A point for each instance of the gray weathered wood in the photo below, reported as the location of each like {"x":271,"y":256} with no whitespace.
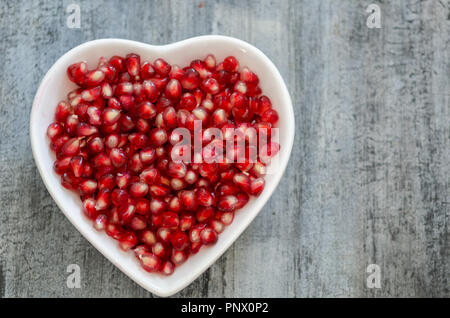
{"x":368,"y":179}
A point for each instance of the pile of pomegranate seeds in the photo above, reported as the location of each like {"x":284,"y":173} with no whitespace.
{"x":117,"y":135}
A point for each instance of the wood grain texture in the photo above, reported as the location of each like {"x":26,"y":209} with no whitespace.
{"x":368,"y":179}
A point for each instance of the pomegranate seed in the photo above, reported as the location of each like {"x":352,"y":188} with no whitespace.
{"x":227,"y":217}
{"x":257,"y":186}
{"x":208,"y":236}
{"x":103,"y":199}
{"x":194,"y":233}
{"x":230,"y":64}
{"x":188,"y":200}
{"x":201,"y":69}
{"x":71,"y":147}
{"x":173,"y":89}
{"x":133,"y":63}
{"x":167,"y":268}
{"x":227,"y":203}
{"x":242,"y":199}
{"x":187,"y":221}
{"x":87,"y":187}
{"x":242,"y":180}
{"x":138,"y":223}
{"x":148,"y":237}
{"x":179,"y":257}
{"x":71,"y":124}
{"x":163,"y":234}
{"x":204,"y":214}
{"x":89,"y":208}
{"x":146,"y":110}
{"x":175,"y":204}
{"x":204,"y":197}
{"x":210,"y":62}
{"x":211,"y":86}
{"x":161,"y":67}
{"x":270,"y":116}
{"x":114,"y":231}
{"x":147,"y":70}
{"x":94,"y":78}
{"x":150,"y":90}
{"x":77,"y":165}
{"x":150,"y":262}
{"x":158,"y":137}
{"x":157,"y":206}
{"x":110,"y":116}
{"x":179,"y":240}
{"x":138,"y":189}
{"x":158,"y":190}
{"x":100,"y":222}
{"x":159,"y":250}
{"x":54,"y":130}
{"x":217,"y":226}
{"x":62,"y":165}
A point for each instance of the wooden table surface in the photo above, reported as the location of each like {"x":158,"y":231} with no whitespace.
{"x":367,"y":182}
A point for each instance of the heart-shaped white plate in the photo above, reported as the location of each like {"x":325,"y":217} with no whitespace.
{"x":55,"y":86}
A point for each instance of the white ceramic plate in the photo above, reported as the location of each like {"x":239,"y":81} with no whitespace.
{"x":55,"y":86}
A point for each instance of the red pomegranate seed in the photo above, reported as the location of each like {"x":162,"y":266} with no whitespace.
{"x":201,"y":69}
{"x":100,"y":222}
{"x":158,"y":137}
{"x":77,"y":72}
{"x":157,"y":206}
{"x":110,"y":116}
{"x":242,"y":181}
{"x":217,"y":226}
{"x":227,"y":217}
{"x":227,"y":203}
{"x":204,"y":197}
{"x":179,"y":240}
{"x":161,"y":67}
{"x":190,"y":80}
{"x":150,"y":262}
{"x":210,"y":62}
{"x":148,"y":237}
{"x":187,"y":221}
{"x":147,"y":70}
{"x":188,"y":200}
{"x":163,"y":234}
{"x":138,"y":189}
{"x":89,"y":208}
{"x":133,"y":63}
{"x":103,"y":199}
{"x":71,"y":147}
{"x":211,"y":86}
{"x":94,"y":78}
{"x":174,"y":204}
{"x":77,"y":165}
{"x":87,"y":187}
{"x":208,"y":236}
{"x":242,"y":198}
{"x":257,"y":186}
{"x":167,"y":268}
{"x":194,"y":233}
{"x":204,"y":214}
{"x":230,"y":64}
{"x":270,"y":116}
{"x":146,"y":110}
{"x":54,"y":130}
{"x":173,"y":90}
{"x":138,"y":223}
{"x":179,"y":257}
